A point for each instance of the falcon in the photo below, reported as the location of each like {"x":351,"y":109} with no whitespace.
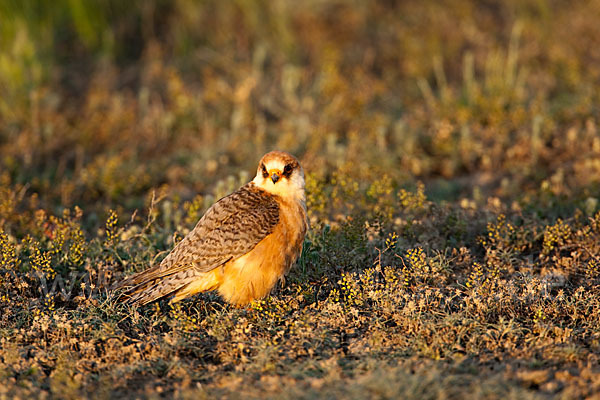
{"x":241,"y":247}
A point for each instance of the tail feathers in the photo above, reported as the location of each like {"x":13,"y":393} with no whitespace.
{"x":143,"y":288}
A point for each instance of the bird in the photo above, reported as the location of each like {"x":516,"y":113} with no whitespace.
{"x":241,"y":247}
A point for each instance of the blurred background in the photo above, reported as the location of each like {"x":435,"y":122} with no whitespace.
{"x":103,"y":102}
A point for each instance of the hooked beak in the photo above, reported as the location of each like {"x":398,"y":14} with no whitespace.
{"x":275,"y":175}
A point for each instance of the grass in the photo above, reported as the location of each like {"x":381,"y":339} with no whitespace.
{"x":452,"y":189}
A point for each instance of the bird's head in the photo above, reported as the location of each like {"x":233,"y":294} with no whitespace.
{"x":280,"y":173}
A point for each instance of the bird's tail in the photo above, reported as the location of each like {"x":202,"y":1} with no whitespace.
{"x":146,"y":287}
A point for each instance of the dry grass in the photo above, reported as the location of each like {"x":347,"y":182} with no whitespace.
{"x":453,"y":191}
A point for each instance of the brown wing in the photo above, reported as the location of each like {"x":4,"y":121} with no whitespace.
{"x":228,"y":230}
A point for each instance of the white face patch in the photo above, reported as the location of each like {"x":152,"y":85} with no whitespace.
{"x":275,"y":164}
{"x":290,"y":186}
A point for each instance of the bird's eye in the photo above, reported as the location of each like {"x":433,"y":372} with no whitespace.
{"x":264,"y":171}
{"x":288,"y":169}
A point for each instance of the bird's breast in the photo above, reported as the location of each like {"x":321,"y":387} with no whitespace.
{"x":253,"y":275}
